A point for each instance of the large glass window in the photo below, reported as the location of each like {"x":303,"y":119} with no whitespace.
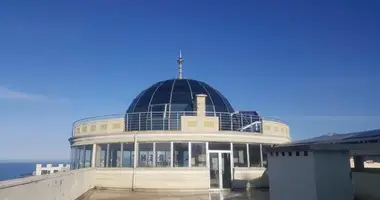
{"x":198,"y":154}
{"x":101,"y":155}
{"x":81,"y":157}
{"x":254,"y":155}
{"x":88,"y":156}
{"x":240,"y":155}
{"x":128,"y":154}
{"x":145,"y":155}
{"x":114,"y":155}
{"x":73,"y":159}
{"x":163,"y":154}
{"x":180,"y":154}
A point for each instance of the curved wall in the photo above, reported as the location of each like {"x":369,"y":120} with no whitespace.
{"x":116,"y":125}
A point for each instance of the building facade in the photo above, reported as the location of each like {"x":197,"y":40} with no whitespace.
{"x":177,"y":134}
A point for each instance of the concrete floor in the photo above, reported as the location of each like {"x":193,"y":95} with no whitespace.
{"x":128,"y":195}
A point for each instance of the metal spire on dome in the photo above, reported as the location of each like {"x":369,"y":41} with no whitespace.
{"x":180,"y":61}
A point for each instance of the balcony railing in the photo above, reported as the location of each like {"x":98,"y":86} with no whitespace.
{"x":171,"y":121}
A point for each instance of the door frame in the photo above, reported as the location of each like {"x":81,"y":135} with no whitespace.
{"x":219,"y":152}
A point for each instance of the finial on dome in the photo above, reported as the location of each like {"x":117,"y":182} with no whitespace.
{"x":180,"y":61}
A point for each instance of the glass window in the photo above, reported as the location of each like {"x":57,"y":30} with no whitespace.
{"x":128,"y":154}
{"x":145,"y":155}
{"x":198,"y":154}
{"x":254,"y":155}
{"x":114,"y":155}
{"x":73,"y":157}
{"x":101,"y":155}
{"x":88,"y":156}
{"x":162,"y":154}
{"x":181,"y":154}
{"x":81,"y":157}
{"x":264,"y":149}
{"x":219,"y":146}
{"x":77,"y":156}
{"x":240,"y":155}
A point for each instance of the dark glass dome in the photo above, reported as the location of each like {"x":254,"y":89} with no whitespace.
{"x":178,"y":95}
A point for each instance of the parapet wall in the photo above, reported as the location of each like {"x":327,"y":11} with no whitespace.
{"x":59,"y":186}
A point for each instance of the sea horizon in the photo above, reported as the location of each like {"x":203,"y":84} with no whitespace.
{"x":12,"y":169}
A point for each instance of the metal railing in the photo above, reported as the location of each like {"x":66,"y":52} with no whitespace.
{"x":150,"y":121}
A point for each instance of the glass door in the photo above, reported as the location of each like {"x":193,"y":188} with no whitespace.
{"x":220,"y":170}
{"x":214,"y":171}
{"x":225,"y":170}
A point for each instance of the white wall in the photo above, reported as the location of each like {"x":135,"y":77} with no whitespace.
{"x":332,"y":174}
{"x":59,"y":186}
{"x":291,"y":177}
{"x":250,"y":177}
{"x":154,"y":178}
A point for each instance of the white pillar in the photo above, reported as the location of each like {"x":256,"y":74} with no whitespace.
{"x":261,"y":156}
{"x":49,"y":167}
{"x":171,"y":154}
{"x":248,"y":161}
{"x":93,"y":157}
{"x":201,"y":104}
{"x":38,"y":169}
{"x":189,"y":160}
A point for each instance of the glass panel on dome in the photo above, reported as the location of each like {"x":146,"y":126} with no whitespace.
{"x":181,"y":93}
{"x":162,"y":94}
{"x":198,"y":88}
{"x":143,"y":103}
{"x":217,"y":99}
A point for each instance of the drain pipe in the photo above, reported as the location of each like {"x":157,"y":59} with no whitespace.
{"x":134,"y":161}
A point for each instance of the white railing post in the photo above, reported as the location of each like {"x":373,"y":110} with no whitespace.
{"x":139,"y":120}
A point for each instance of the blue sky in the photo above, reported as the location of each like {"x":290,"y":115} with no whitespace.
{"x":314,"y":64}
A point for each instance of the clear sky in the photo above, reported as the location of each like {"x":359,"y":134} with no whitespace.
{"x":314,"y":65}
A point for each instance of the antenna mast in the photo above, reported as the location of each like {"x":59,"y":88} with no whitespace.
{"x":180,"y":61}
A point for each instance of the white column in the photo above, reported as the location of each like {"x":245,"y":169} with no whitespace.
{"x":38,"y":169}
{"x":201,"y":104}
{"x":49,"y":167}
{"x":171,"y":154}
{"x":154,"y":154}
{"x":261,"y":156}
{"x":136,"y":155}
{"x":107,"y":154}
{"x":189,"y":161}
{"x":121,"y":155}
{"x":207,"y":157}
{"x":248,"y":161}
{"x":232,"y":161}
{"x":93,"y":156}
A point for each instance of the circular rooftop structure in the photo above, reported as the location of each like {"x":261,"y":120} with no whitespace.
{"x":176,"y":95}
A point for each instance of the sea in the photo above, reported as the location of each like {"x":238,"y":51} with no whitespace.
{"x":19,"y":169}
